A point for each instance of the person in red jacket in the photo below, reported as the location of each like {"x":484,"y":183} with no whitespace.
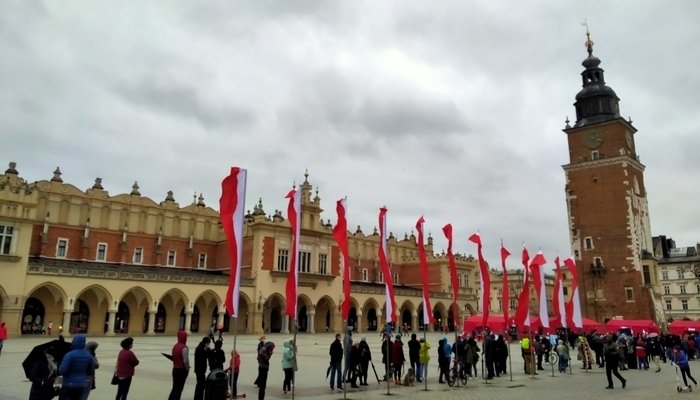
{"x":3,"y":334}
{"x":126,"y":364}
{"x":234,"y":368}
{"x":181,"y":365}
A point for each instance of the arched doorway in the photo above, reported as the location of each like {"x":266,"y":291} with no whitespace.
{"x":439,"y":323}
{"x":406,"y":318}
{"x":194,"y":321}
{"x":79,"y":318}
{"x":302,"y":321}
{"x":324,"y":315}
{"x":33,"y":316}
{"x":121,"y":322}
{"x":372,"y":319}
{"x":160,"y":319}
{"x":421,"y":321}
{"x":352,"y":318}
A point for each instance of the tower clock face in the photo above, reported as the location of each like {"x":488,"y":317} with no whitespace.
{"x":593,"y":139}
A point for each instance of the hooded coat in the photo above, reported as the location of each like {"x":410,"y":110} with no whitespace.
{"x":287,"y":355}
{"x":217,"y":358}
{"x":77,"y":364}
{"x":180,"y":352}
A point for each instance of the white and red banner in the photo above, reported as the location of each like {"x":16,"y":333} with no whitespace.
{"x":231,"y":205}
{"x":294,"y":217}
{"x":573,"y":308}
{"x":340,"y":233}
{"x":447,"y":230}
{"x":505,"y":302}
{"x":558,"y":298}
{"x":537,"y":269}
{"x":386,"y":270}
{"x":484,"y":280}
{"x":522,"y":314}
{"x":427,"y":310}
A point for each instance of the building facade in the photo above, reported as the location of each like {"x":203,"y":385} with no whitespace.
{"x":679,"y":277}
{"x":607,"y":206}
{"x":86,"y":261}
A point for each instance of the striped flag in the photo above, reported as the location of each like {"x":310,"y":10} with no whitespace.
{"x":536,"y":266}
{"x":558,"y":298}
{"x":522,"y":314}
{"x":386,"y":271}
{"x":484,"y":280}
{"x":447,"y":230}
{"x":427,"y":314}
{"x":573,"y":308}
{"x":293,"y":215}
{"x":506,"y":291}
{"x":231,"y":205}
{"x":340,"y":233}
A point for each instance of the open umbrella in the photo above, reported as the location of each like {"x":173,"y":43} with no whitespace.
{"x":57,"y":348}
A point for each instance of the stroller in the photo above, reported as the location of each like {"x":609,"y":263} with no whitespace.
{"x":679,"y":387}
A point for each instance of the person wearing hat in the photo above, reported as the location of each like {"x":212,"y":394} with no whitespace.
{"x":398,"y":358}
{"x":261,"y":343}
{"x":264,"y":356}
{"x":336,"y":353}
{"x":365,"y":359}
{"x":414,"y":356}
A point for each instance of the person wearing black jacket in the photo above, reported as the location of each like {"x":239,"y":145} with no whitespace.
{"x":217,"y":357}
{"x":414,"y":356}
{"x":387,"y":354}
{"x":264,"y":356}
{"x":612,"y":357}
{"x":365,"y":359}
{"x":443,"y":362}
{"x":336,"y":353}
{"x":201,"y":356}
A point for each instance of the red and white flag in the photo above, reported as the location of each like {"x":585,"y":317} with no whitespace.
{"x":484,"y":280}
{"x":386,"y":271}
{"x":340,"y":233}
{"x":573,"y":308}
{"x":294,"y":217}
{"x":558,"y":298}
{"x":231,"y":205}
{"x":447,"y":230}
{"x":427,"y":314}
{"x":522,"y":314}
{"x":505,"y":302}
{"x":537,"y":269}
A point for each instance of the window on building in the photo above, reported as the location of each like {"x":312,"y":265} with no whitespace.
{"x":682,"y":289}
{"x":365,"y":274}
{"x":513,"y":304}
{"x":669,"y":306}
{"x":629,"y":293}
{"x":396,"y":278}
{"x":646,"y":275}
{"x":588,"y":243}
{"x":323,"y":264}
{"x":283,"y":260}
{"x":667,"y":289}
{"x":684,"y":304}
{"x":577,"y":255}
{"x":664,"y":275}
{"x":595,"y":155}
{"x":101,"y":254}
{"x":61,"y":248}
{"x":305,"y":261}
{"x":500,"y":304}
{"x":138,"y":255}
{"x":171,"y":258}
{"x":380,"y":277}
{"x":598,"y":263}
{"x":6,"y":233}
{"x":202,"y":261}
{"x":565,"y":291}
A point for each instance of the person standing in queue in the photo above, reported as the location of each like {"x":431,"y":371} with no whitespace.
{"x":264,"y":356}
{"x":181,"y":365}
{"x":126,"y":364}
{"x":201,"y":356}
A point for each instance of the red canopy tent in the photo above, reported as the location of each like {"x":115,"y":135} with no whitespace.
{"x":636,"y":325}
{"x":681,"y":327}
{"x":495,"y":323}
{"x":588,"y":324}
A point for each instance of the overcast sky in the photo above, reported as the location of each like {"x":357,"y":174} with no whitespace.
{"x":450,"y":109}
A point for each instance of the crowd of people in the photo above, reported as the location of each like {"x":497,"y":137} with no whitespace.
{"x":350,"y":360}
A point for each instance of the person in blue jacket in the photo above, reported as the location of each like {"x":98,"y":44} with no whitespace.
{"x":75,"y":368}
{"x":681,"y":359}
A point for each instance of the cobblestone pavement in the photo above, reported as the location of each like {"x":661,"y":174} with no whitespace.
{"x":152,"y":380}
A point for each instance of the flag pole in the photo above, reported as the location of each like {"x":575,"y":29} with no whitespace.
{"x":387,"y":366}
{"x":425,"y":373}
{"x":294,"y":360}
{"x":510,"y":358}
{"x":448,"y":369}
{"x":344,"y":373}
{"x":235,"y":331}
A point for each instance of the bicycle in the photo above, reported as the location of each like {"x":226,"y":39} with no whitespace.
{"x":456,"y":371}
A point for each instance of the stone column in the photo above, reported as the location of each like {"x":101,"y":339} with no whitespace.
{"x":66,"y":321}
{"x":414,"y":322}
{"x":359,"y":322}
{"x":151,"y":323}
{"x":110,"y":324}
{"x":188,"y":321}
{"x":285,"y":324}
{"x":255,"y":319}
{"x":312,"y":321}
{"x":380,"y":321}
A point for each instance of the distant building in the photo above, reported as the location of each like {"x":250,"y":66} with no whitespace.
{"x":608,"y":208}
{"x":679,"y":277}
{"x":126,"y":264}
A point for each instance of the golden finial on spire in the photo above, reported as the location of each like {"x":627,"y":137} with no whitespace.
{"x":589,"y":42}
